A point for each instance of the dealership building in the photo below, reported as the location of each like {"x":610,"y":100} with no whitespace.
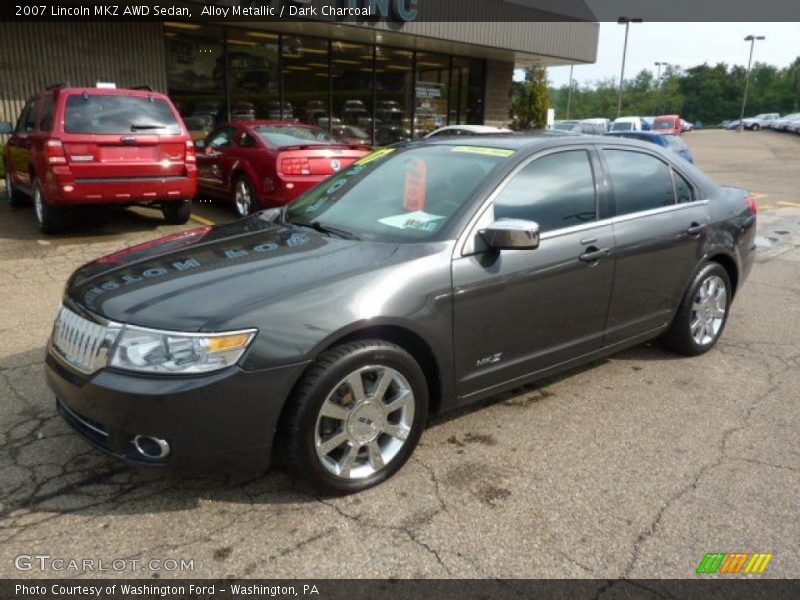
{"x":388,"y":77}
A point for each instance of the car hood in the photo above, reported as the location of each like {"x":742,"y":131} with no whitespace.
{"x":201,"y":278}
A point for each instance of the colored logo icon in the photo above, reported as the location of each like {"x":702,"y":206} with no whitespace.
{"x":734,"y":563}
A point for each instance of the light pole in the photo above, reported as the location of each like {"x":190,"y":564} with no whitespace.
{"x":752,"y":39}
{"x":569,"y":92}
{"x":658,"y":65}
{"x":627,"y":22}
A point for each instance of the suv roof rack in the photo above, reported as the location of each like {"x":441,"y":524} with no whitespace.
{"x":57,"y":86}
{"x":146,"y":88}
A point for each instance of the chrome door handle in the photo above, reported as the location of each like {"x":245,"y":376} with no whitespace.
{"x":695,"y":229}
{"x":593,"y":254}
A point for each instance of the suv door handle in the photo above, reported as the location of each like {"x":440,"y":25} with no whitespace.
{"x":592,"y":254}
{"x":695,"y":229}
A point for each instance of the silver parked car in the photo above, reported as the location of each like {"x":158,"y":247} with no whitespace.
{"x":759,"y":121}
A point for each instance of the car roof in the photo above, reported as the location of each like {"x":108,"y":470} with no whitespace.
{"x":96,"y":91}
{"x":534,"y":139}
{"x":250,"y":123}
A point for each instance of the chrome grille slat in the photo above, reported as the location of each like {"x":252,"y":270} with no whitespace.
{"x":80,"y":342}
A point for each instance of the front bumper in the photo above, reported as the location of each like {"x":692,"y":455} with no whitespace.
{"x":222,"y":421}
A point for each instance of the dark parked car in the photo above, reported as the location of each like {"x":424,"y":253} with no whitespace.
{"x":86,"y":147}
{"x":665,"y":140}
{"x":259,"y":164}
{"x":424,"y":278}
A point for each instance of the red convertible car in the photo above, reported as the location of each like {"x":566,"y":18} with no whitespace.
{"x":260,"y":164}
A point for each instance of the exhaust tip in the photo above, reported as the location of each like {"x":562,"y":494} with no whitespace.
{"x":150,"y":447}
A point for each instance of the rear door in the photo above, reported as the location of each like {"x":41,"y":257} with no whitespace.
{"x":120,"y":136}
{"x":517,"y":312}
{"x":658,"y":240}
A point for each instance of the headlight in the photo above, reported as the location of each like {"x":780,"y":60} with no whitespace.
{"x":152,"y":351}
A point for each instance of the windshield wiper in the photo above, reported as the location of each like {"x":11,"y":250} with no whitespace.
{"x":137,"y":126}
{"x":317,"y":226}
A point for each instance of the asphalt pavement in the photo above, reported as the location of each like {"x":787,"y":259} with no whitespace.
{"x":635,"y":466}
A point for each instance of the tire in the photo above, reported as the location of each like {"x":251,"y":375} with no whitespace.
{"x":15,"y":196}
{"x":244,"y":196}
{"x":177,"y":213}
{"x":50,"y":219}
{"x":755,"y":127}
{"x":701,"y":319}
{"x":366,"y":454}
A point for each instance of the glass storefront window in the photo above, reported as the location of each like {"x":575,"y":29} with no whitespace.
{"x":466,"y":91}
{"x":393,"y":88}
{"x":306,"y":80}
{"x":196,"y":74}
{"x":431,"y":91}
{"x":351,"y":67}
{"x":253,"y":76}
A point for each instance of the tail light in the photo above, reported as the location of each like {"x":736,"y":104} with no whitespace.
{"x":54,"y":152}
{"x":295,"y":166}
{"x":191,"y":152}
{"x":752,"y":204}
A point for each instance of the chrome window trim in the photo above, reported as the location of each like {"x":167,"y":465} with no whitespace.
{"x":657,"y":211}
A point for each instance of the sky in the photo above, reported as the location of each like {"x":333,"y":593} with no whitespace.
{"x":684,"y":44}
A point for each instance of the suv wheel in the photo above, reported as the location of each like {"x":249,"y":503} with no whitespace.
{"x":49,"y":218}
{"x":15,"y":196}
{"x":703,"y":312}
{"x":244,"y":196}
{"x":755,"y":127}
{"x":355,"y":418}
{"x":177,"y":213}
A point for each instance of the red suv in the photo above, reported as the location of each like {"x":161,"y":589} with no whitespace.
{"x":90,"y":146}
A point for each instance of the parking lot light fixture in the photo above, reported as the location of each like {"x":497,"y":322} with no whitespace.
{"x":569,"y":92}
{"x":660,"y":83}
{"x":752,"y":39}
{"x":627,"y":22}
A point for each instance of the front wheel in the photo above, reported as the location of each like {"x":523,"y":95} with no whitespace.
{"x":703,"y":312}
{"x":177,"y":213}
{"x":355,"y":418}
{"x":756,"y":127}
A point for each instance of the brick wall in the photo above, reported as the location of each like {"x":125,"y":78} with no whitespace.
{"x":499,"y":75}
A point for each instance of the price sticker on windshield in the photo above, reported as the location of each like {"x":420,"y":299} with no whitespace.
{"x":415,"y":183}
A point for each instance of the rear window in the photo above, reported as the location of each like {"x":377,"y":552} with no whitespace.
{"x":621,"y":126}
{"x":664,"y":124}
{"x":290,"y":135}
{"x":117,"y":114}
{"x":676,"y":144}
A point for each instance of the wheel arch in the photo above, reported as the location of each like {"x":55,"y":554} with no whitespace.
{"x":730,"y":266}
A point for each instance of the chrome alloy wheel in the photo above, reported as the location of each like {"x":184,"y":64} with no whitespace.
{"x":38,"y":203}
{"x":244,"y":200}
{"x":708,"y":310}
{"x":364,"y":422}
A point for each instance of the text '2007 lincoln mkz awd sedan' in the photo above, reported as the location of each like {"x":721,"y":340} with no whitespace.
{"x":422,"y":278}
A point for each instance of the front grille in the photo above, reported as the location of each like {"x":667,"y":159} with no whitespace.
{"x":82,"y":343}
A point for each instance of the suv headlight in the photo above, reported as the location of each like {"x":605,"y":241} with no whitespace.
{"x":153,"y":351}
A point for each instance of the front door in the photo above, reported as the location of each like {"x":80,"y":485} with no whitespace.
{"x":211,"y":161}
{"x":517,"y":312}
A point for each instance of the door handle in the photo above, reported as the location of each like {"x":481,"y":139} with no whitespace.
{"x":593,"y":254}
{"x":695,"y":229}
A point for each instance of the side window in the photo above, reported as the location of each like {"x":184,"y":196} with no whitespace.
{"x":23,"y":117}
{"x":222,"y":138}
{"x":556,"y":191}
{"x":683,"y":190}
{"x":30,"y":119}
{"x":48,"y":108}
{"x":640,"y":181}
{"x":247,"y":141}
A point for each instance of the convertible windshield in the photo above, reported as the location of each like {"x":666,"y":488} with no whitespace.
{"x":398,"y":194}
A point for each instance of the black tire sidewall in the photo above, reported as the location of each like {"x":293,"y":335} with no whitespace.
{"x":680,"y":337}
{"x":369,"y":353}
{"x":177,"y":212}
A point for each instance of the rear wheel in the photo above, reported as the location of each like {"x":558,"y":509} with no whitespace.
{"x":49,"y":218}
{"x":15,"y":196}
{"x":177,"y":213}
{"x":355,"y":418}
{"x":244,"y":196}
{"x":703,"y":312}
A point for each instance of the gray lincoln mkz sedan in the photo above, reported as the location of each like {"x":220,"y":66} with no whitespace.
{"x":423,"y":278}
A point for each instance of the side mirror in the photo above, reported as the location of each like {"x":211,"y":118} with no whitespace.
{"x":511,"y":234}
{"x":6,"y":128}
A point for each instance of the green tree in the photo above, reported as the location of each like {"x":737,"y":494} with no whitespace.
{"x":530,"y":100}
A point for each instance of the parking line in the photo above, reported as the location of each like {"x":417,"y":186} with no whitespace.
{"x":757,"y":196}
{"x":787,"y":203}
{"x":201,"y":220}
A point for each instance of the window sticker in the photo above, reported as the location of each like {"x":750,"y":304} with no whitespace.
{"x":415,"y":183}
{"x":419,"y":220}
{"x":505,"y":153}
{"x":375,"y":156}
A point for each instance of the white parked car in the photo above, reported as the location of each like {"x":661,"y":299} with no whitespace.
{"x":628,"y":124}
{"x":456,"y":130}
{"x":759,"y":121}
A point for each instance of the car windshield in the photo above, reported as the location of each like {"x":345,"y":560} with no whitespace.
{"x":117,"y":114}
{"x":624,"y":126}
{"x":293,"y":135}
{"x":664,"y":125}
{"x":399,"y":194}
